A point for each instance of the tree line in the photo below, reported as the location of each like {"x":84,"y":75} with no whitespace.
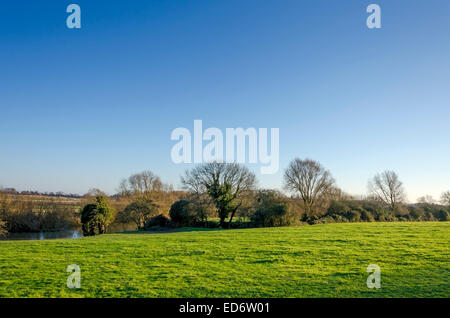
{"x":226,"y":195}
{"x":58,"y":194}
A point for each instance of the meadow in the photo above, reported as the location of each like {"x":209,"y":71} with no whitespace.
{"x":327,"y":260}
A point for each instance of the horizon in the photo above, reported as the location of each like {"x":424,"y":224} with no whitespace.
{"x":84,"y":108}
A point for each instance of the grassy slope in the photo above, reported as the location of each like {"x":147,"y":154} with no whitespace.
{"x":310,"y":261}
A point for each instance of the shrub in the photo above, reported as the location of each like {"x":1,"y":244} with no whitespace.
{"x":159,"y":220}
{"x":95,"y":217}
{"x":366,"y":216}
{"x":416,"y":213}
{"x":180,"y":214}
{"x":337,"y":208}
{"x":324,"y":220}
{"x":273,"y":209}
{"x":353,"y":216}
{"x":429,"y":216}
{"x":3,"y":230}
{"x":442,"y":215}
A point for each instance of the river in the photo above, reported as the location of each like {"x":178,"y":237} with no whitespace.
{"x":67,"y":234}
{"x":63,"y":234}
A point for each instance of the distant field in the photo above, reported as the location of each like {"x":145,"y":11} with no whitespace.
{"x":41,"y":198}
{"x":309,"y":261}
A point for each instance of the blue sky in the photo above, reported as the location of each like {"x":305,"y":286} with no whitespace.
{"x":84,"y":108}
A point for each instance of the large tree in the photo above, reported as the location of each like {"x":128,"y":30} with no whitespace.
{"x":225,"y":183}
{"x":310,"y":180}
{"x":387,"y":188}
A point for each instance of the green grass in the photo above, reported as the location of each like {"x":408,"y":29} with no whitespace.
{"x":309,"y":261}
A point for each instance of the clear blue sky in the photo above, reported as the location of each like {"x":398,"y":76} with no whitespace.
{"x":85,"y":108}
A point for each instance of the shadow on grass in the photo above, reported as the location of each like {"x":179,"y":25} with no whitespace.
{"x":159,"y":230}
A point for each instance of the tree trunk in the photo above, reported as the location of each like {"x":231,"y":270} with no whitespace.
{"x":231,"y":218}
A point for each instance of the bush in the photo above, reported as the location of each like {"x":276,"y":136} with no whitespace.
{"x":95,"y":217}
{"x":180,"y":214}
{"x":429,"y":216}
{"x":324,"y":220}
{"x":442,"y":215}
{"x":416,"y":213}
{"x":366,"y":216}
{"x":273,"y":209}
{"x":3,"y":230}
{"x":337,"y":208}
{"x":159,"y":220}
{"x":353,"y":216}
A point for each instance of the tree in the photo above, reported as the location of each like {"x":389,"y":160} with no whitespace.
{"x":148,"y":186}
{"x":426,"y":199}
{"x":192,"y":210}
{"x":310,"y":180}
{"x":387,"y":188}
{"x":138,"y":212}
{"x":180,"y":213}
{"x":201,"y":206}
{"x":95,"y":217}
{"x":140,"y":184}
{"x":225,"y":183}
{"x":445,"y":198}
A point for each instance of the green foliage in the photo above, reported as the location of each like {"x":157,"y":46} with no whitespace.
{"x":95,"y":217}
{"x":223,"y":199}
{"x":157,"y":221}
{"x":182,"y":214}
{"x":225,"y":183}
{"x":88,"y":225}
{"x":328,"y":260}
{"x":3,"y":229}
{"x":443,"y":215}
{"x":272,"y":209}
{"x":138,"y":211}
{"x":366,"y":216}
{"x":353,"y":216}
{"x":370,"y":211}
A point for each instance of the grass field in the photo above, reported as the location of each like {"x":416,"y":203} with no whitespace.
{"x":309,"y":261}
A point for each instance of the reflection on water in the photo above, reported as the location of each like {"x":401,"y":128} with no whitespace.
{"x":68,"y":234}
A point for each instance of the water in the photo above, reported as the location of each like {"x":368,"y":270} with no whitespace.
{"x":67,"y":234}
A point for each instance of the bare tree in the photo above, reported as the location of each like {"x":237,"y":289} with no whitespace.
{"x":445,"y":198}
{"x":147,"y":186}
{"x":225,"y":183}
{"x":144,"y":182}
{"x":310,"y":180}
{"x":141,"y":183}
{"x":426,"y":199}
{"x":387,"y":188}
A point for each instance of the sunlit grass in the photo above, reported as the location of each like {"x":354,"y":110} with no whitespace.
{"x":309,"y":261}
